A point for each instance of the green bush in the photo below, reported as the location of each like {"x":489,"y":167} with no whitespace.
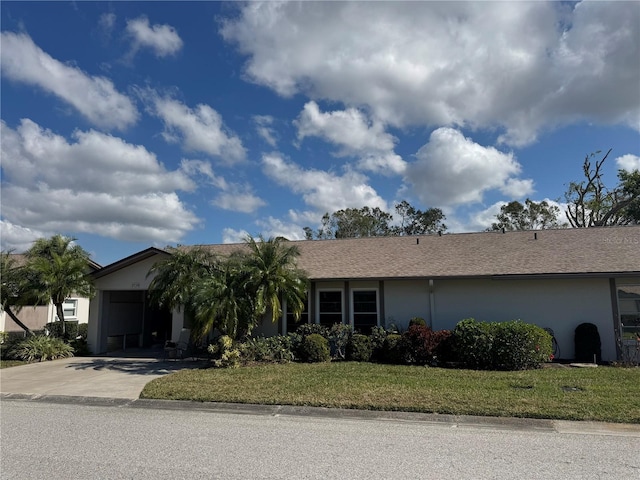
{"x":55,"y":329}
{"x":278,"y":349}
{"x":378,"y":336}
{"x":393,"y":349}
{"x":224,"y":353}
{"x":339,"y":336}
{"x":315,"y":348}
{"x":80,"y":347}
{"x":83,"y":330}
{"x":41,"y":348}
{"x":513,"y":345}
{"x":417,"y":321}
{"x":311,"y":328}
{"x":359,"y":348}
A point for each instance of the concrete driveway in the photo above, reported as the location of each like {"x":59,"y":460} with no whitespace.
{"x":88,"y":376}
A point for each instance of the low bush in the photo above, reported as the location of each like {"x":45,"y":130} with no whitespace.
{"x":277,"y":349}
{"x":417,"y":321}
{"x":513,"y":345}
{"x":224,"y":353}
{"x":311,"y":328}
{"x":40,"y":348}
{"x":338,"y":337}
{"x":72,"y":329}
{"x":359,"y":348}
{"x":315,"y":348}
{"x":422,"y":346}
{"x":83,"y":330}
{"x":393,"y":349}
{"x":80,"y":347}
{"x":377,"y":337}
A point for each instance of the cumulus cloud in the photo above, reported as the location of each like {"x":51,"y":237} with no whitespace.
{"x":264,"y":127}
{"x":163,"y":40}
{"x":274,"y":227}
{"x":453,"y":170}
{"x":352,"y":132}
{"x":98,"y":184}
{"x":323,"y":191}
{"x":230,"y":235}
{"x":18,"y":238}
{"x":94,"y":97}
{"x":628,"y":162}
{"x":198,"y":129}
{"x":521,"y":67}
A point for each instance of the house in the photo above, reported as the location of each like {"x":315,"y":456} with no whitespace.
{"x":76,"y":309}
{"x":556,"y":279}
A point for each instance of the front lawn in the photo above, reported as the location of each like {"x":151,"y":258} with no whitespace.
{"x":598,"y":394}
{"x":12,"y":363}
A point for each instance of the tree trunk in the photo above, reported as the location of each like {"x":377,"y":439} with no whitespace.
{"x":17,"y":320}
{"x":60,"y":313}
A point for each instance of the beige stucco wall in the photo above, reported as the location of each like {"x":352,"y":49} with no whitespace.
{"x":37,"y":317}
{"x":559,"y":304}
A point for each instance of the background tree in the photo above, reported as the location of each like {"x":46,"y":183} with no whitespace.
{"x":417,"y":222}
{"x":57,"y":269}
{"x":373,"y":222}
{"x":530,"y":216}
{"x":591,"y":204}
{"x":12,"y":288}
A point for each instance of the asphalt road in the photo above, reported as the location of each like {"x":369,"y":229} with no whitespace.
{"x":42,"y":440}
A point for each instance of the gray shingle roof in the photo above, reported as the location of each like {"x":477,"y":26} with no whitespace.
{"x":593,"y":251}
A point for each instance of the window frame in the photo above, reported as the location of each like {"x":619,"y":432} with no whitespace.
{"x":74,"y":302}
{"x":628,"y":339}
{"x":342,"y":304}
{"x":352,"y":310}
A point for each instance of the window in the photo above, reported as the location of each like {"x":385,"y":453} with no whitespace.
{"x":330,"y":307}
{"x":70,"y":309}
{"x":365,"y":310}
{"x":292,"y":325}
{"x":629,"y":307}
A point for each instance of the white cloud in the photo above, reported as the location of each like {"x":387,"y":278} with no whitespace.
{"x":17,"y":238}
{"x":274,"y":227}
{"x":236,"y":197}
{"x":230,"y":235}
{"x":106,"y":24}
{"x":200,"y":129}
{"x":163,"y":40}
{"x":352,"y":132}
{"x":264,"y":127}
{"x":453,"y":170}
{"x":628,"y":162}
{"x":323,"y":191}
{"x":98,"y":184}
{"x":522,"y":67}
{"x":94,"y":97}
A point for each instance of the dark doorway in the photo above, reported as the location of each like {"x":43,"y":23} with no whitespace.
{"x":157,"y":324}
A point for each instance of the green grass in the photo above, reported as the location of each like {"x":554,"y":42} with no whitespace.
{"x":12,"y":363}
{"x":597,"y":394}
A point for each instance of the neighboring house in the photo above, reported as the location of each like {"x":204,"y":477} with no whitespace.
{"x":552,"y":278}
{"x":37,"y":316}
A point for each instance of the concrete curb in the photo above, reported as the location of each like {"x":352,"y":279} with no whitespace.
{"x":452,"y":421}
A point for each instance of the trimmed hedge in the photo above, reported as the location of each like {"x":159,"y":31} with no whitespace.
{"x":359,"y":348}
{"x":423,"y":346}
{"x":513,"y":345}
{"x":393,"y":351}
{"x":315,"y":348}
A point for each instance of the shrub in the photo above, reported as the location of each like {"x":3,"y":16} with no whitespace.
{"x":359,"y":348}
{"x":520,"y":346}
{"x":417,"y":321}
{"x":55,"y":329}
{"x":422,"y":345}
{"x":511,"y":345}
{"x":224,"y":353}
{"x":83,"y":330}
{"x":311,"y":328}
{"x":80,"y":347}
{"x":339,"y":336}
{"x":473,"y":343}
{"x":587,"y":343}
{"x":268,"y":349}
{"x":41,"y":348}
{"x":315,"y":348}
{"x":377,"y":337}
{"x":393,"y":349}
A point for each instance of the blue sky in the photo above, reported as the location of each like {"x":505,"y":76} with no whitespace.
{"x":132,"y":124}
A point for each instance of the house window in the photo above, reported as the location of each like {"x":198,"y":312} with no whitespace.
{"x":365,"y":310}
{"x":629,"y":308}
{"x":292,"y":324}
{"x":330,"y":307}
{"x":70,"y":309}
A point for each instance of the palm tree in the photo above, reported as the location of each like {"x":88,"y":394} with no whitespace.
{"x":12,"y":288}
{"x":272,"y":276}
{"x":57,"y":269}
{"x":177,"y":276}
